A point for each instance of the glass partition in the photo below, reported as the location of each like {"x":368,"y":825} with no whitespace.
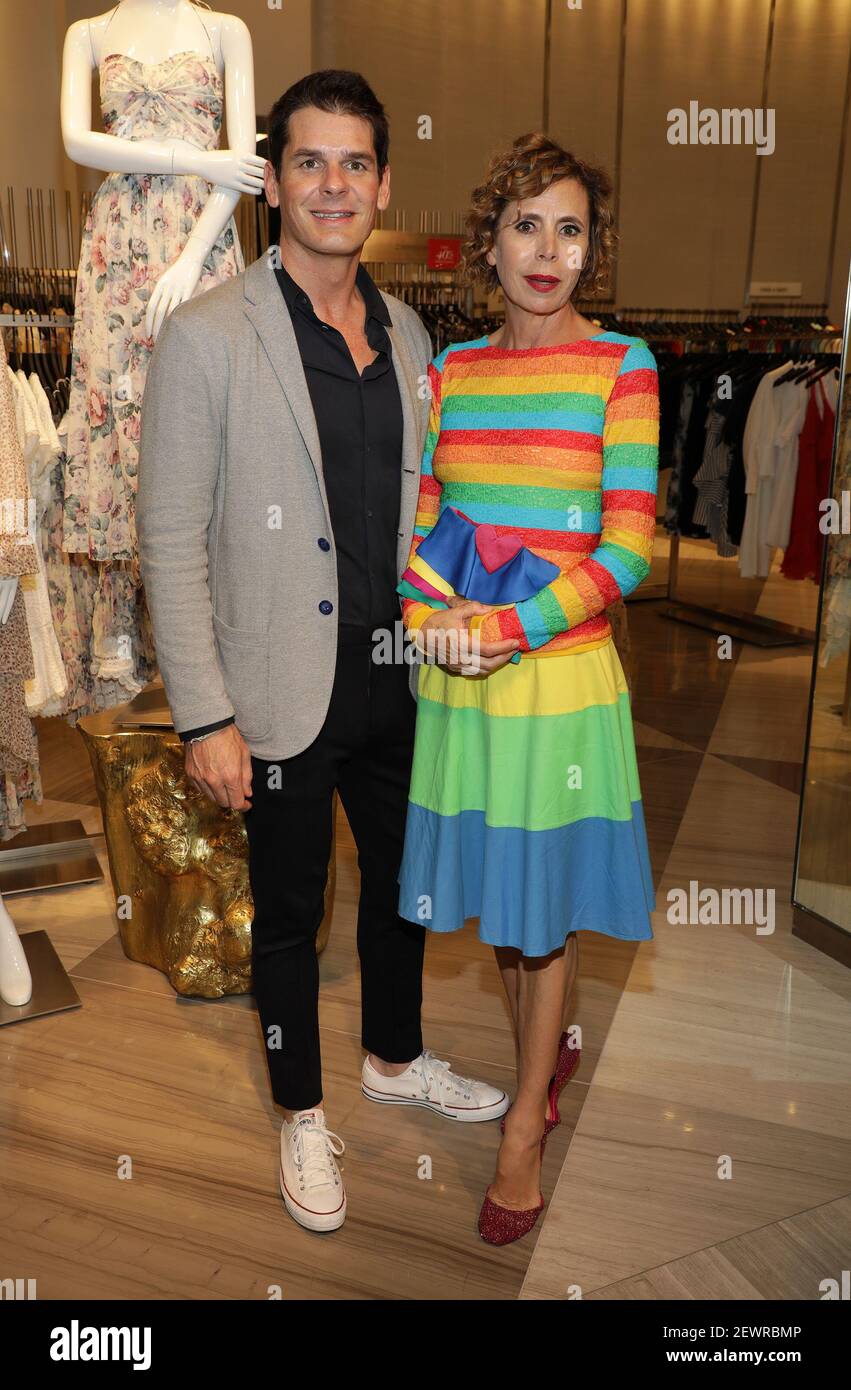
{"x":822,"y":879}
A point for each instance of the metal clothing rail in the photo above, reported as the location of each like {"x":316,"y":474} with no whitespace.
{"x":713,"y":316}
{"x":24,"y":321}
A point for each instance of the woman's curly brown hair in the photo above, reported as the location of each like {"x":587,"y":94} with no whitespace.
{"x":526,"y":170}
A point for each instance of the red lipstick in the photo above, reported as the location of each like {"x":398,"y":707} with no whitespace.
{"x":544,"y":284}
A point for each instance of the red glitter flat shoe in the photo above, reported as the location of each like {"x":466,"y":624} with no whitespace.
{"x":566,"y":1064}
{"x":502,"y":1225}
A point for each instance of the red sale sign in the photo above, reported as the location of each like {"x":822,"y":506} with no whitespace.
{"x":444,"y":252}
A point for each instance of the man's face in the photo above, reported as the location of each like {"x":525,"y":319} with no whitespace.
{"x":329,"y":190}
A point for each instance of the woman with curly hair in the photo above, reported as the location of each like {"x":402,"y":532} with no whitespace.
{"x":525,"y":806}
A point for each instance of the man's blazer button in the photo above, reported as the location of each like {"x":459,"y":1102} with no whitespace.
{"x":326,"y":606}
{"x":323,"y":543}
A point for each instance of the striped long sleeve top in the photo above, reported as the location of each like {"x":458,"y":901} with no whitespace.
{"x":559,"y":446}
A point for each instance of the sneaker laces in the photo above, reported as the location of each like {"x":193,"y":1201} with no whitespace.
{"x":435,"y":1070}
{"x":315,"y":1150}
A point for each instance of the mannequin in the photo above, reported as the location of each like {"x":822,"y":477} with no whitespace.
{"x":150,"y":31}
{"x":16,"y":984}
{"x":157,"y":233}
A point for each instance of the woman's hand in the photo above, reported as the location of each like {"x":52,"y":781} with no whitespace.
{"x":446,"y":639}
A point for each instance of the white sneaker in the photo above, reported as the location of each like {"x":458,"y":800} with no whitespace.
{"x":311,"y":1185}
{"x":430,"y":1082}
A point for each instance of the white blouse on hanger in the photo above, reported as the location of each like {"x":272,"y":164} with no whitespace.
{"x":50,"y":682}
{"x":793,"y":411}
{"x":758,"y":455}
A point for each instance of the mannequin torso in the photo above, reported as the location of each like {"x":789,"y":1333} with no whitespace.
{"x":168,"y":27}
{"x":150,"y":33}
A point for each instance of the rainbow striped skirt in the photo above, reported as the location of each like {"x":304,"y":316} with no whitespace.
{"x":525,"y":805}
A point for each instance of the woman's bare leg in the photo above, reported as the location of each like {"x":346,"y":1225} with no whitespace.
{"x":571,"y":957}
{"x":508,"y":959}
{"x":543,"y":984}
{"x":540,"y":999}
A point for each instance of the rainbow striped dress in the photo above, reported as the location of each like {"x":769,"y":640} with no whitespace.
{"x":525,"y":806}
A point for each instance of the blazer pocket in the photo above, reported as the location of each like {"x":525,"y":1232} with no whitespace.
{"x":244,"y":658}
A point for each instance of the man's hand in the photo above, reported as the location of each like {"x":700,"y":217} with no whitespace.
{"x":220,"y":767}
{"x":450,"y":628}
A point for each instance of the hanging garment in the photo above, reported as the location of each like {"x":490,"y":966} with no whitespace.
{"x":693,"y":446}
{"x":50,"y":443}
{"x":793,"y":408}
{"x":42,"y":455}
{"x":48,"y":683}
{"x":19,"y":774}
{"x":137,"y":227}
{"x":674,"y":495}
{"x":734,"y":433}
{"x":17,"y":542}
{"x":767,"y":418}
{"x":803,"y":557}
{"x":20,"y":780}
{"x":711,"y":479}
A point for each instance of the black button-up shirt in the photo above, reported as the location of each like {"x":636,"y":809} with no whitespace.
{"x":359,"y":421}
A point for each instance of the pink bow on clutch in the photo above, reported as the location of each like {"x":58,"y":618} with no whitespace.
{"x":495,"y":550}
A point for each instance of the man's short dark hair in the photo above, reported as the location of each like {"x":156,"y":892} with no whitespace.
{"x":336,"y":90}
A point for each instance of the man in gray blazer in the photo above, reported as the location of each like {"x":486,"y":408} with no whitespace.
{"x":283,"y":425}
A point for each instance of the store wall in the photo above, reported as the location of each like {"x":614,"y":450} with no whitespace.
{"x":31,"y":154}
{"x":683,"y":210}
{"x":475,"y":69}
{"x":808,"y":79}
{"x":697,"y":222}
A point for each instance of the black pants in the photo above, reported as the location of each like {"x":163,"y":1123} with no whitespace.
{"x":365,"y":750}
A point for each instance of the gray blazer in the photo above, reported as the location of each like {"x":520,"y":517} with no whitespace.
{"x":231,"y":508}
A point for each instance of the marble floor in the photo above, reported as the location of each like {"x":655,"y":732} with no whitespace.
{"x":705,"y":1149}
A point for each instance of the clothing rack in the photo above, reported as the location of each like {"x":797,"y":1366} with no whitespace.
{"x":24,"y":321}
{"x":786,"y":334}
{"x":44,"y":290}
{"x":51,"y":225}
{"x":446,"y":307}
{"x":57,"y":853}
{"x":41,"y":344}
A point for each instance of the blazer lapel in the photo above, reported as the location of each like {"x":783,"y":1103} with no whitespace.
{"x":414,"y":421}
{"x":265,"y":307}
